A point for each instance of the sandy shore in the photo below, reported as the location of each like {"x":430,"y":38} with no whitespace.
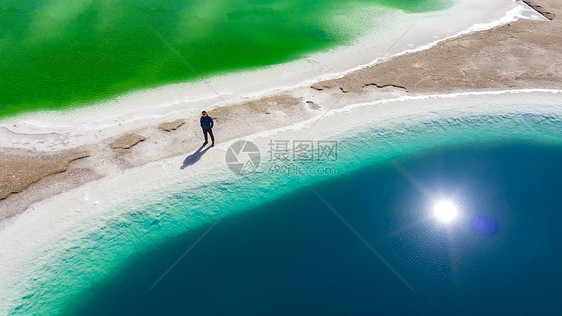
{"x":524,"y":54}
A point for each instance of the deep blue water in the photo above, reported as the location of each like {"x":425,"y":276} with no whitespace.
{"x":294,"y":256}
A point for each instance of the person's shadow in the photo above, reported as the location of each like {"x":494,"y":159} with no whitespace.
{"x":193,"y":158}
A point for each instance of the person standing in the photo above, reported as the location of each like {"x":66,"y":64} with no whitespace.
{"x":207,"y":126}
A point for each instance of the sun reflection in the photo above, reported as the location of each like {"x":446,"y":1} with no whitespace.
{"x":445,"y":211}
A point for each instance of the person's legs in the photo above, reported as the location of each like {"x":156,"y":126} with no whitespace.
{"x":212,"y":136}
{"x":205,"y":131}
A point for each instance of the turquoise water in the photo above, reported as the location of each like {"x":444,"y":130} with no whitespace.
{"x":59,"y":54}
{"x":82,"y":274}
{"x":294,"y":256}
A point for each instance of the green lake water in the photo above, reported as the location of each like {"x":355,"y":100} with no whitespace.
{"x":58,"y":54}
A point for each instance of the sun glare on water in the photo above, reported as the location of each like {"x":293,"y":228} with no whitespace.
{"x":445,"y":211}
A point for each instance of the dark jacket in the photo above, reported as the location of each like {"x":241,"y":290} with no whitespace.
{"x":206,"y":122}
